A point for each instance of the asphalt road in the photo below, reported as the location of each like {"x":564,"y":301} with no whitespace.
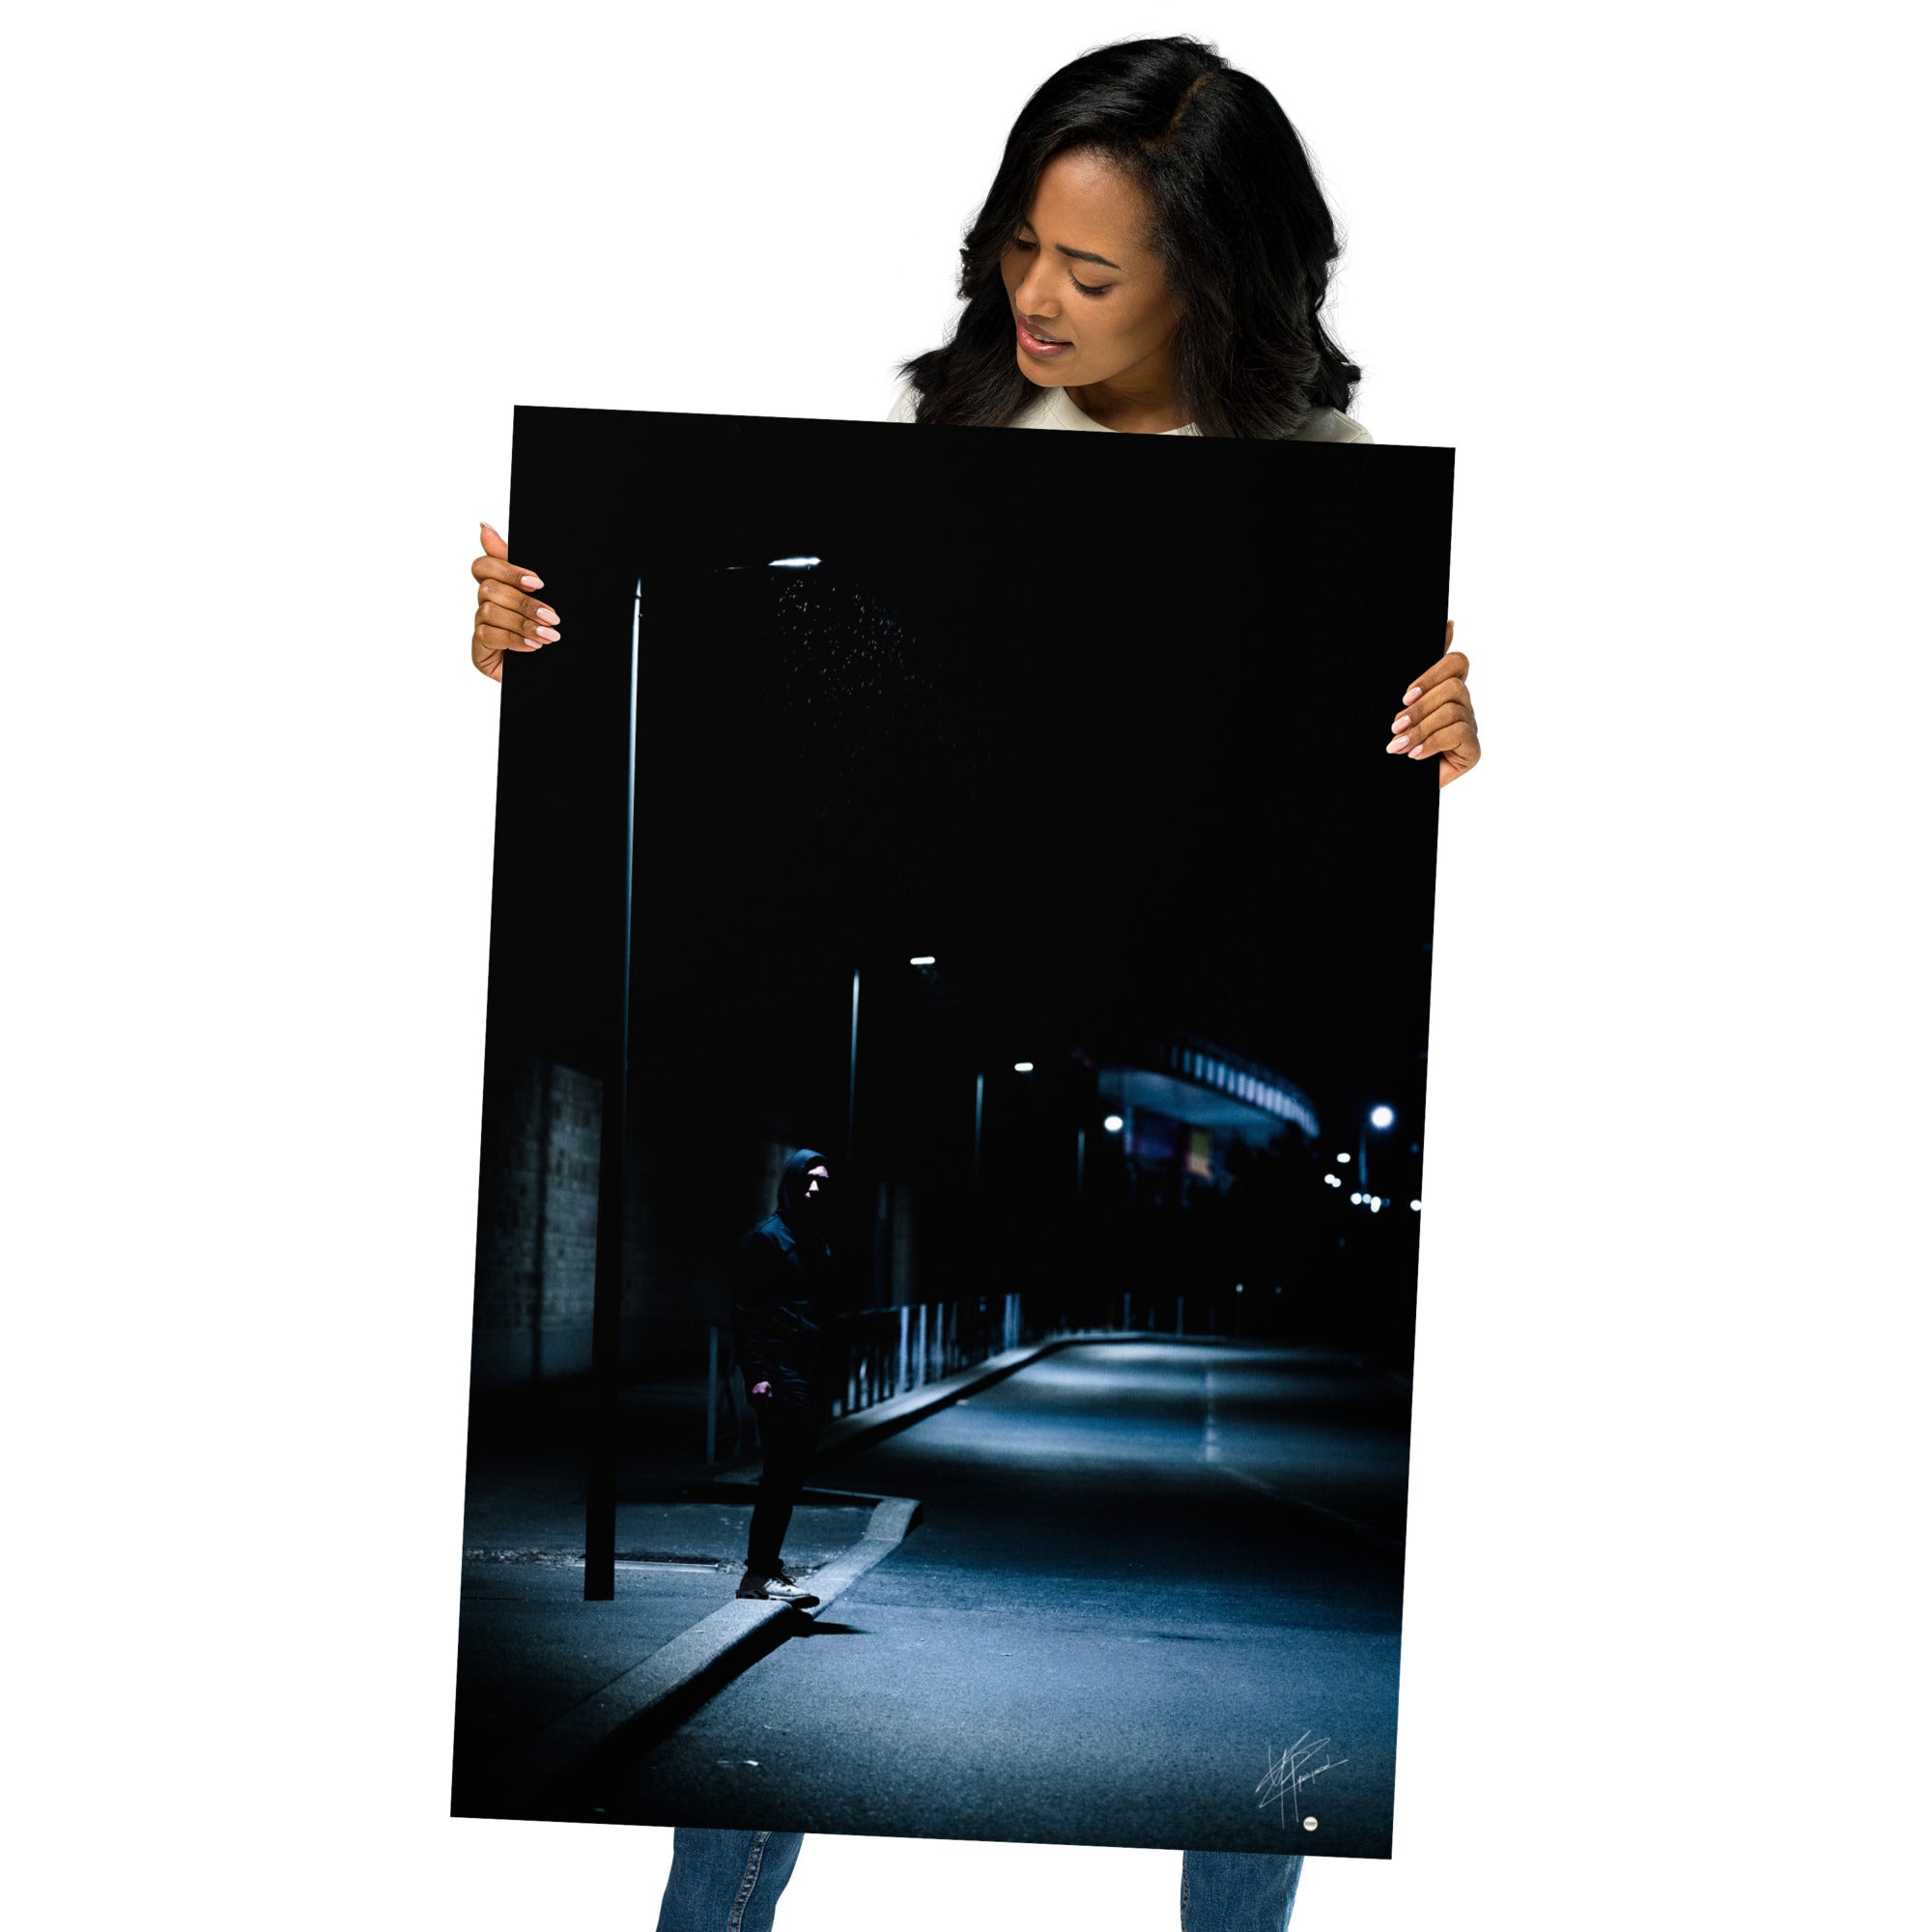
{"x":1145,"y":1572}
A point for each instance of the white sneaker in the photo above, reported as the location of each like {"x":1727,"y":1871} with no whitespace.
{"x":779,"y":1589}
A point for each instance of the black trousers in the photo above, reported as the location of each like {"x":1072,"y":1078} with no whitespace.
{"x":790,"y":1431}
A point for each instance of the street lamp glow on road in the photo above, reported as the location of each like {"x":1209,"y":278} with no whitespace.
{"x":1382,"y":1116}
{"x":1112,"y":1124}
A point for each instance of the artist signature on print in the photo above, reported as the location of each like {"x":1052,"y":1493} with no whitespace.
{"x":1282,"y":1782}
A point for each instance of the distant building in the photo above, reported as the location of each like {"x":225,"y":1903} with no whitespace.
{"x":1187,"y":1101}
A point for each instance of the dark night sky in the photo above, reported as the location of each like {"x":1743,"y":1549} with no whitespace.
{"x":1099,"y":721}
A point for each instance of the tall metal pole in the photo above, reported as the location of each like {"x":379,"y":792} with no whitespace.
{"x":979,"y":1116}
{"x":852,"y":1078}
{"x":600,"y":1516}
{"x":711,"y":1398}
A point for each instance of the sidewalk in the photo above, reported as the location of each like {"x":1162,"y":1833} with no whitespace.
{"x":544,"y":1678}
{"x":531,"y":1650}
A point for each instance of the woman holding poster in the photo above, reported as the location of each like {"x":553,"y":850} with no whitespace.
{"x":1152,"y":257}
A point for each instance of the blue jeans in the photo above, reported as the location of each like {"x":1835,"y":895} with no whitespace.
{"x":730,"y":1882}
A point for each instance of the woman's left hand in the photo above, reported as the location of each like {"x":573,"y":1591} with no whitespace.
{"x":1436,"y":718}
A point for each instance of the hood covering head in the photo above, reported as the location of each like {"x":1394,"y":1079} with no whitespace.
{"x":791,"y":1184}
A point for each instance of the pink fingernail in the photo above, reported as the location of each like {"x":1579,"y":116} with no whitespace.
{"x":1413,"y":692}
{"x":1400,"y":723}
{"x":1417,"y":752}
{"x":545,"y":614}
{"x":536,"y":584}
{"x":546,"y":633}
{"x":1395,"y":744}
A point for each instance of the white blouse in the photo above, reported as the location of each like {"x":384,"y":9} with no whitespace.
{"x":1055,"y":408}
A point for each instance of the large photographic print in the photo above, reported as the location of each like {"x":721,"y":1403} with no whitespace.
{"x":952,"y":1140}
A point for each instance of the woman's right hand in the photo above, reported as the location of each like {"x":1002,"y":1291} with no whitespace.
{"x":506,"y":619}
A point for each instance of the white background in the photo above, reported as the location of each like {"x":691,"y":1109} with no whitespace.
{"x":278,"y":277}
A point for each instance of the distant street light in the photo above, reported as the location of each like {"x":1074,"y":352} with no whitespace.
{"x":852,"y":1053}
{"x":1416,"y":1206}
{"x":1342,"y":1160}
{"x":1112,"y":1124}
{"x":1355,"y":1200}
{"x":793,"y":562}
{"x":1022,"y":1067}
{"x":1379,"y":1117}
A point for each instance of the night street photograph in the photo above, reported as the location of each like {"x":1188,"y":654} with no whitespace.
{"x":951,"y":1167}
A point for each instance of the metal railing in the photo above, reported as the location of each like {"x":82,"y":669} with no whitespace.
{"x":891,"y":1352}
{"x":881,"y":1353}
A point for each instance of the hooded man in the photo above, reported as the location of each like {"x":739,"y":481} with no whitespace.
{"x":779,"y":1321}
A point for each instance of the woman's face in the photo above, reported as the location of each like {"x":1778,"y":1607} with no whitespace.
{"x":1078,"y":275}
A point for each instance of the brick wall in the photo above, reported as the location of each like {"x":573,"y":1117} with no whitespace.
{"x":536,"y":1235}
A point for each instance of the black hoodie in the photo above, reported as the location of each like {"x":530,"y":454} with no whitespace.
{"x":781,"y":1304}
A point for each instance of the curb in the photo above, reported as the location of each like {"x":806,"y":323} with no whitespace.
{"x":659,"y":1692}
{"x":850,"y":1434}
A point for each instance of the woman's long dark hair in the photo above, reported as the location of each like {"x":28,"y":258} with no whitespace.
{"x":1239,"y":227}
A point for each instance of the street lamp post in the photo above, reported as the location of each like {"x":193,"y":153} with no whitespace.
{"x":852,"y":1075}
{"x":606,"y":1298}
{"x":1378,"y":1117}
